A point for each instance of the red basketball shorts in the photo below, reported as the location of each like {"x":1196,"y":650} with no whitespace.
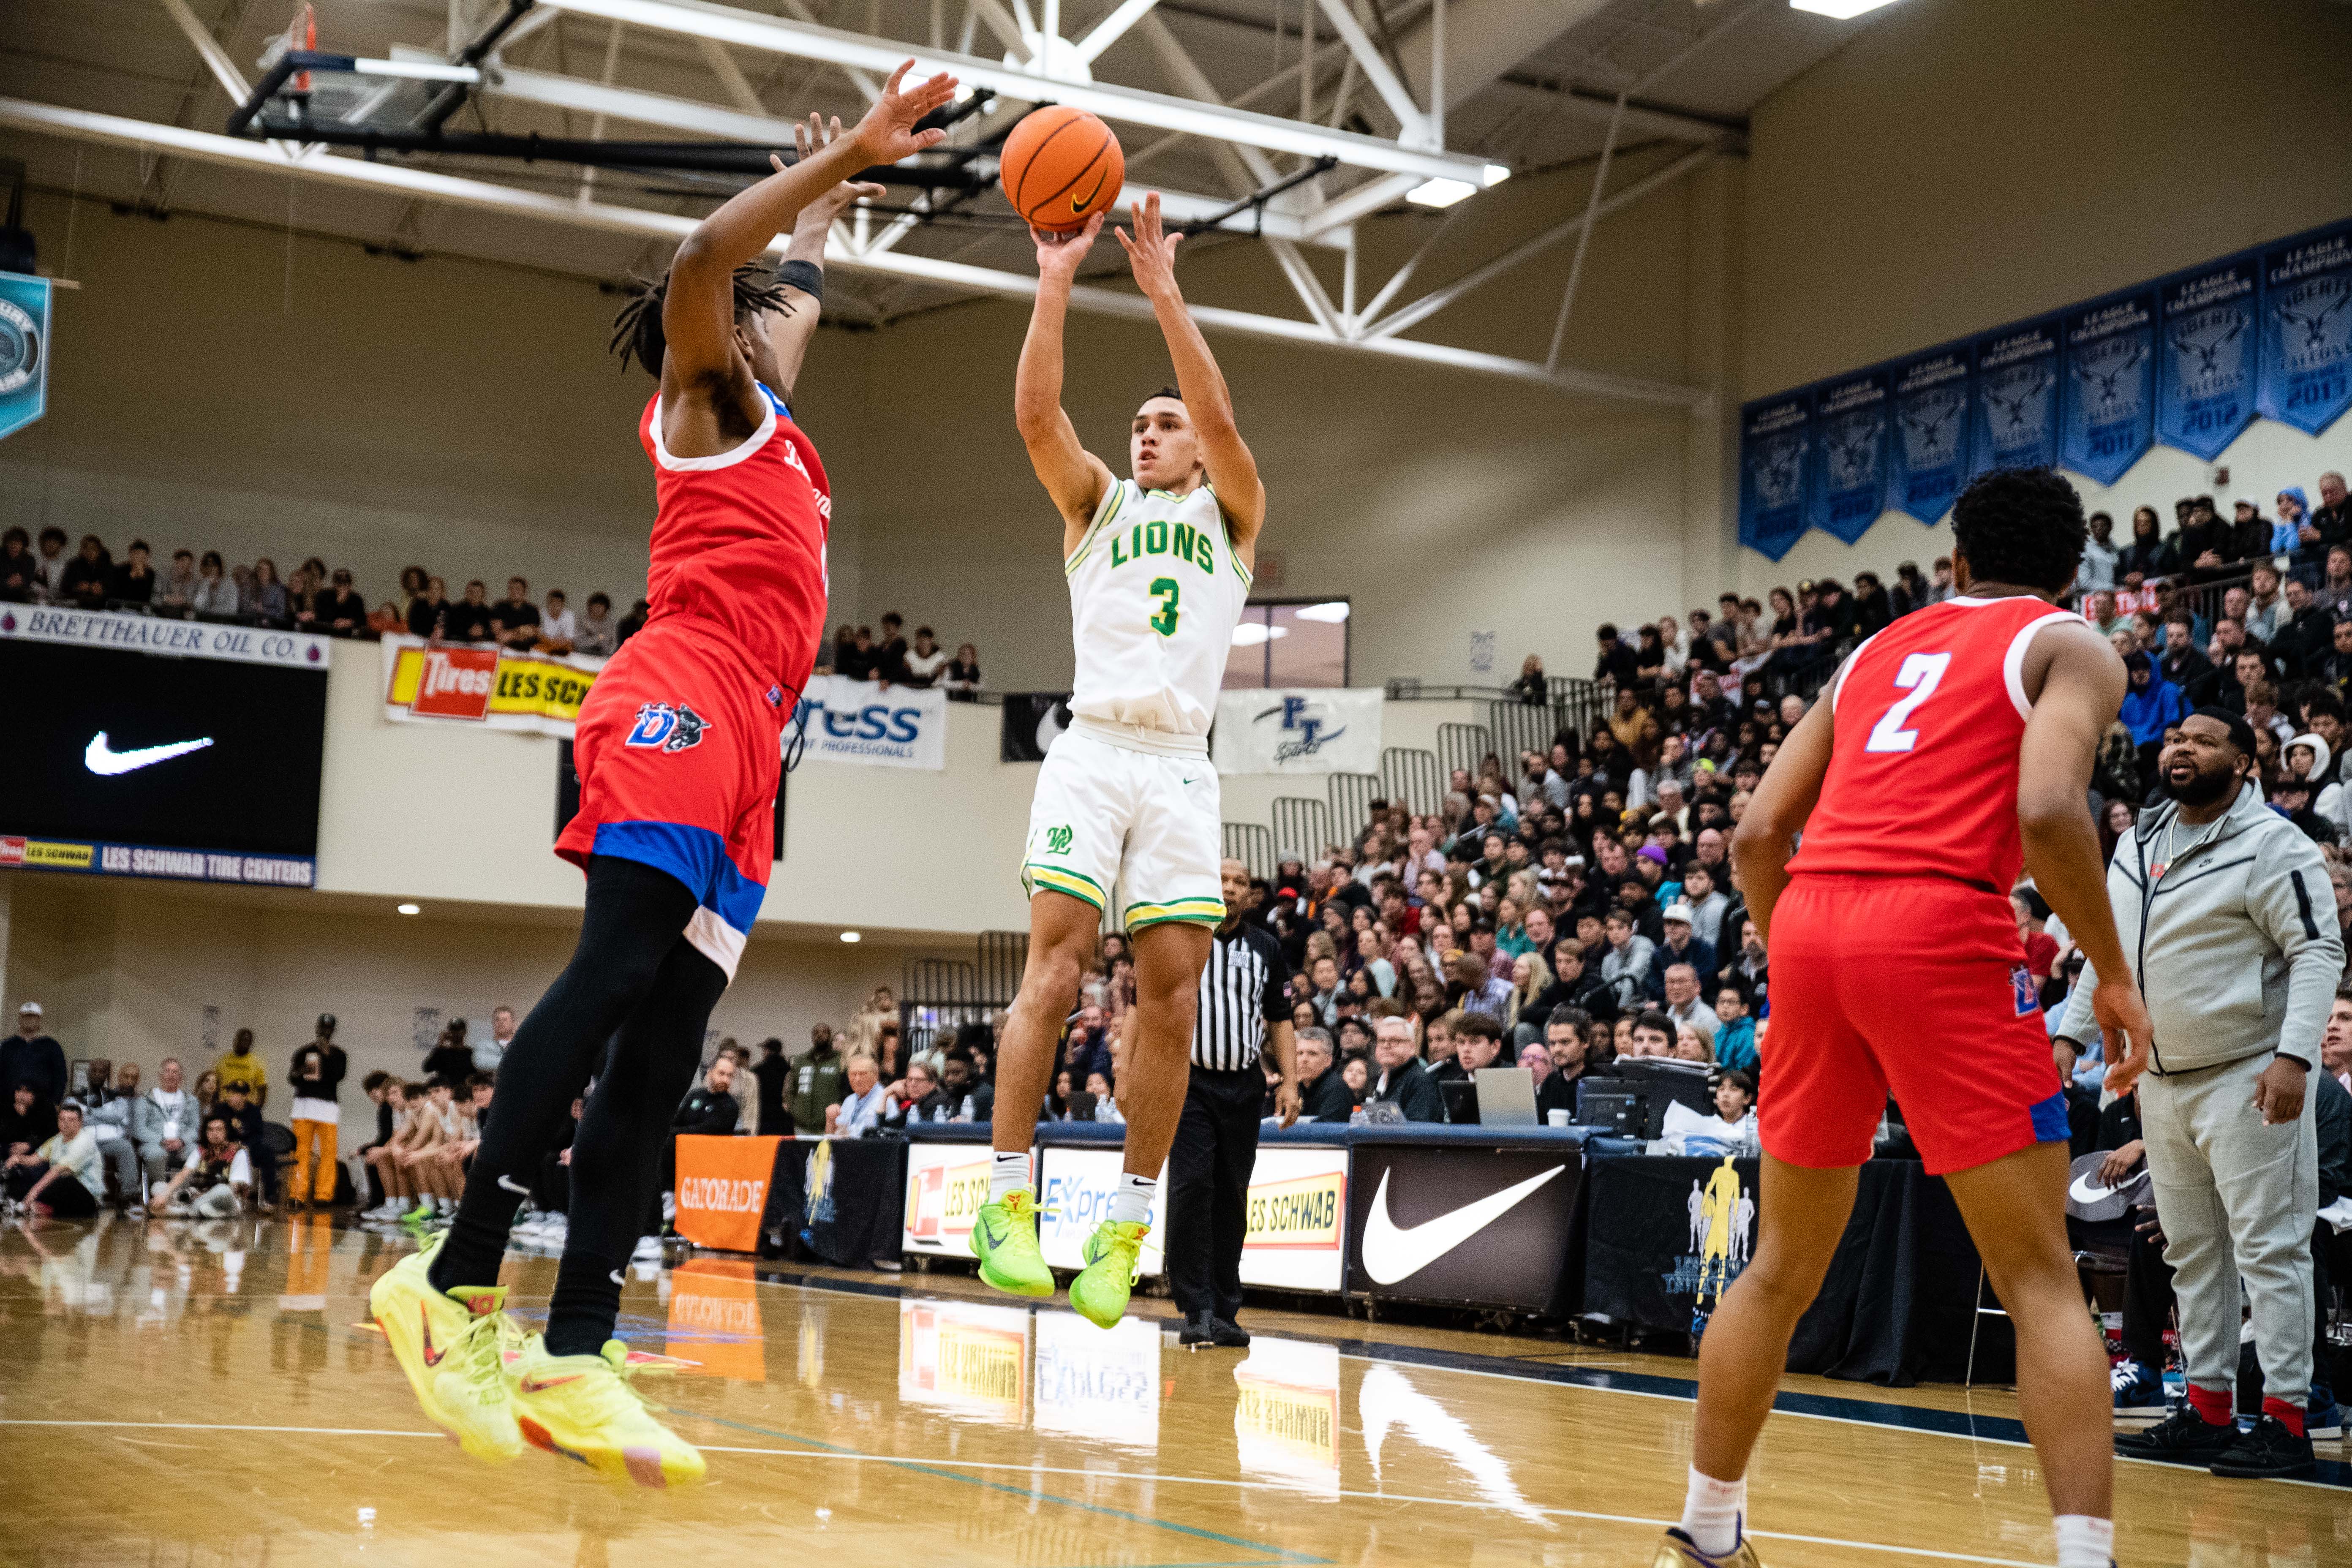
{"x":678,"y":748}
{"x":1916,"y":985}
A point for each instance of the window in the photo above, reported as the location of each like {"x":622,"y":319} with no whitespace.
{"x":1291,"y":642}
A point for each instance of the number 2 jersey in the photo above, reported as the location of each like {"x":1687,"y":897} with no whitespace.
{"x":1922,"y":779}
{"x":1155,"y":593}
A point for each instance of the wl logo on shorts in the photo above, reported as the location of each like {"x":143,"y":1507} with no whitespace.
{"x":2029,"y":1001}
{"x":672,"y":727}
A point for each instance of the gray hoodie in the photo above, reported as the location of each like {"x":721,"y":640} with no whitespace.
{"x":2236,"y":947}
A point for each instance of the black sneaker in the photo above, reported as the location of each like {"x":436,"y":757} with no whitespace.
{"x":2182,"y":1437}
{"x":1227,"y":1334}
{"x":2268,"y":1453}
{"x":1200,"y":1329}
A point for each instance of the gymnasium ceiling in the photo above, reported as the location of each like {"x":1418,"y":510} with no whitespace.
{"x":1531,"y":85}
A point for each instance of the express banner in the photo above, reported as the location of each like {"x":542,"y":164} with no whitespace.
{"x":874,"y":725}
{"x":24,"y":351}
{"x":2106,"y":414}
{"x":1850,"y":455}
{"x":1322,"y":731}
{"x":1074,"y":1185}
{"x":2189,"y":360}
{"x":491,"y":686}
{"x":2013,"y":422}
{"x":2205,"y":386}
{"x":1929,"y":455}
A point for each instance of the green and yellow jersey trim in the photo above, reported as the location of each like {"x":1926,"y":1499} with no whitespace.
{"x":1036,"y":878}
{"x":1210,"y":910}
{"x":1113,"y":499}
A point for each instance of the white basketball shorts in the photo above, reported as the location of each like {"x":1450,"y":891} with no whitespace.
{"x":1109,"y":819}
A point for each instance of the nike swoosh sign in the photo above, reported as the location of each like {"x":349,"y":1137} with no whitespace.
{"x":1392,"y":1252}
{"x":106,"y":761}
{"x":2086,"y":1190}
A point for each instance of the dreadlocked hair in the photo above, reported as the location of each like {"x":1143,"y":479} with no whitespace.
{"x":637,"y":330}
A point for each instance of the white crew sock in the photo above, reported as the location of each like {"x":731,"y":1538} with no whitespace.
{"x":2084,"y":1542}
{"x":1130,"y":1201}
{"x":1006,"y":1171}
{"x":1712,"y":1512}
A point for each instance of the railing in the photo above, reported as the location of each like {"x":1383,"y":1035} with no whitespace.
{"x":1252,"y":844}
{"x":1462,"y":747}
{"x":1301,"y":826}
{"x":1412,"y":775}
{"x":1351,"y":796}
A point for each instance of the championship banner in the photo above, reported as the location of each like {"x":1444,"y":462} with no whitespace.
{"x":24,"y":351}
{"x":2206,"y":356}
{"x":477,"y":684}
{"x":1334,"y":730}
{"x":132,"y":633}
{"x":714,"y":1318}
{"x":1774,"y":439}
{"x":2106,"y":414}
{"x":1848,"y":491}
{"x":2305,"y":377}
{"x":2014,"y":419}
{"x":1928,"y":463}
{"x":722,"y":1189}
{"x":1297,"y":1216}
{"x":867,"y":722}
{"x":1075,"y":1185}
{"x":1033,"y":721}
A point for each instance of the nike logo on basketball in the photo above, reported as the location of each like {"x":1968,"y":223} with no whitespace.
{"x":1393,"y":1252}
{"x":1080,"y":203}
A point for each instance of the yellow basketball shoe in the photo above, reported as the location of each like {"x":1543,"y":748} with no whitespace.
{"x":585,"y":1407}
{"x":1005,"y":1239}
{"x":1099,"y":1292}
{"x":449,"y":1345}
{"x":1679,"y":1551}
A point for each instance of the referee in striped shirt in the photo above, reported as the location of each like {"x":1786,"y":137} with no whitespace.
{"x":1242,"y":1011}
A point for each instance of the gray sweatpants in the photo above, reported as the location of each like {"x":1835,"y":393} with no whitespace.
{"x":2235,"y":1199}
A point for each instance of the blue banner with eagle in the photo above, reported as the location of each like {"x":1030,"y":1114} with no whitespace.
{"x":1930,"y":456}
{"x":1775,"y":441}
{"x":2015,"y":418}
{"x":2305,"y":375}
{"x":24,"y":351}
{"x":2107,"y":413}
{"x":1850,"y":439}
{"x":2205,"y":355}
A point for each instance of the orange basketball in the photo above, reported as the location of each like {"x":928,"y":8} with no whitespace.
{"x":1060,"y":167}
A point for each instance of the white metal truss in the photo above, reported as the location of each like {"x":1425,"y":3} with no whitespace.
{"x":1406,"y":80}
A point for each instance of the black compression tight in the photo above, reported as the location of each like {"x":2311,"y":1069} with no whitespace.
{"x":630,"y":1009}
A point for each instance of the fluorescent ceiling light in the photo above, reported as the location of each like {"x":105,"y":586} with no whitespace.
{"x":1493,"y":173}
{"x":849,"y":936}
{"x":1441,"y":193}
{"x":1335,"y":612}
{"x":1256,"y":633}
{"x":1837,"y":10}
{"x":409,"y":910}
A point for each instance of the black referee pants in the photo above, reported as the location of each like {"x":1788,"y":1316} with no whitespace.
{"x":1208,"y":1189}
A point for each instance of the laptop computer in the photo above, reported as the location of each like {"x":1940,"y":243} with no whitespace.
{"x":1506,"y":1098}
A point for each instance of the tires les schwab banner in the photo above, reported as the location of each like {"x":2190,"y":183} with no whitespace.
{"x":2188,"y":360}
{"x":479,"y":684}
{"x":1330,"y":730}
{"x":1451,"y":1223}
{"x":946,"y":1185}
{"x":1297,"y":1218}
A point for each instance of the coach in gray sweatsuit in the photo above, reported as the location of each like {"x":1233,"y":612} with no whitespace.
{"x":2233,"y":924}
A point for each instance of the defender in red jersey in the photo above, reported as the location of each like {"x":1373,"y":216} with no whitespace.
{"x":677,"y":749}
{"x":1951,"y":749}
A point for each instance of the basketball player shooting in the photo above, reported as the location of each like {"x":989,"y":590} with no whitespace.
{"x":677,"y":748}
{"x":1159,"y":568}
{"x":1951,"y":748}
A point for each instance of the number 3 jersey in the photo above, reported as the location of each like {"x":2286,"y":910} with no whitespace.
{"x":1155,"y":592}
{"x":1922,"y":779}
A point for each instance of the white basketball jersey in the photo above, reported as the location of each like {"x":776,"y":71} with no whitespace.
{"x":1155,"y":592}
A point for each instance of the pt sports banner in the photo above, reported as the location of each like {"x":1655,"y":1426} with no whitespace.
{"x":1331,"y":730}
{"x":2188,"y":360}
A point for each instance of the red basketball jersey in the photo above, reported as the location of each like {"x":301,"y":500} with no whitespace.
{"x":739,"y":541}
{"x":1922,"y":779}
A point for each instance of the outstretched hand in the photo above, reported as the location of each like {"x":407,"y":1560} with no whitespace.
{"x":1151,"y":252}
{"x":887,"y":133}
{"x":807,"y":142}
{"x":1059,"y":251}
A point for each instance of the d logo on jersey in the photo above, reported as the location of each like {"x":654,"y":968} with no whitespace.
{"x":672,"y":727}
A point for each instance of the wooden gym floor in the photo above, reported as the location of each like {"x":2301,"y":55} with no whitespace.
{"x":176,"y":1395}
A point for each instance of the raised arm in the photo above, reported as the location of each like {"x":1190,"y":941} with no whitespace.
{"x":705,"y":378}
{"x":790,"y":336}
{"x":2076,"y":684}
{"x":1074,"y":477}
{"x":1233,"y":471}
{"x":1766,"y":837}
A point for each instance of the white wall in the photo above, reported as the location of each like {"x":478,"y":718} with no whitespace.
{"x":1964,"y":164}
